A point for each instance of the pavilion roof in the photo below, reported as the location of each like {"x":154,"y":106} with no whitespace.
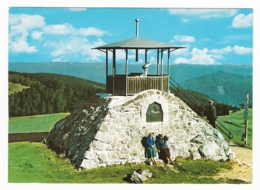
{"x":138,"y":43}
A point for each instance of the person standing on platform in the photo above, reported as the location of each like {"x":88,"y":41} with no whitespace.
{"x":212,"y":114}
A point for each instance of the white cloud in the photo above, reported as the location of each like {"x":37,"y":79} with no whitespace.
{"x":93,"y":55}
{"x":14,"y":20}
{"x":201,"y":57}
{"x":59,"y":29}
{"x":68,"y":46}
{"x":77,"y":9}
{"x":242,"y":50}
{"x":21,"y":46}
{"x":91,"y":31}
{"x":182,"y":38}
{"x":58,"y":52}
{"x":181,"y":60}
{"x":57,"y":60}
{"x":19,"y":28}
{"x":210,"y":57}
{"x":67,"y":29}
{"x":225,"y":50}
{"x":217,"y":56}
{"x":197,"y":57}
{"x":152,"y":59}
{"x":242,"y":21}
{"x":76,"y":47}
{"x":204,"y":13}
{"x":36,"y":34}
{"x":236,"y":49}
{"x":185,"y":20}
{"x":25,"y":22}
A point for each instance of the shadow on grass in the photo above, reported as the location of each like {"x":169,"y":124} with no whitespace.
{"x":128,"y":178}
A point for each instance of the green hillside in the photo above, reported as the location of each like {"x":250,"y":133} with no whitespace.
{"x":49,"y":93}
{"x":33,"y":163}
{"x":12,"y":88}
{"x":235,"y":124}
{"x":35,"y":123}
{"x":225,"y":87}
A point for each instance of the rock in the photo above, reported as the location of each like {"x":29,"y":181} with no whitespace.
{"x":212,"y":151}
{"x":232,"y":156}
{"x":140,"y":176}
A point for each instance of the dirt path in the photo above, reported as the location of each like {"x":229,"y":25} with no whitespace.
{"x":242,"y":169}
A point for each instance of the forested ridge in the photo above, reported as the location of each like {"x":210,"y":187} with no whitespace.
{"x":55,"y":93}
{"x":49,"y":93}
{"x":198,"y":102}
{"x":223,"y":86}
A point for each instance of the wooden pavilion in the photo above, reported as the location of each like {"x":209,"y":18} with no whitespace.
{"x":132,"y":83}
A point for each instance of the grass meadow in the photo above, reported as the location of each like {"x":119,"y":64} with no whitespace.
{"x":35,"y":123}
{"x":235,"y":124}
{"x":34,"y":163}
{"x":31,"y":162}
{"x":12,"y":88}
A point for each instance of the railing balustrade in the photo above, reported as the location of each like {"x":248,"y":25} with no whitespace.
{"x":196,"y":106}
{"x":117,"y":85}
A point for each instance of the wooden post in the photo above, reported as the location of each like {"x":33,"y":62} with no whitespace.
{"x":106,"y":70}
{"x":126,"y":71}
{"x":169,"y":74}
{"x":114,"y":70}
{"x":158,"y":57}
{"x":246,"y":118}
{"x":145,"y":58}
{"x":161,"y":69}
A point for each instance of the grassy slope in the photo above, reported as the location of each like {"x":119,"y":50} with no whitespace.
{"x":235,"y":124}
{"x":12,"y":88}
{"x":34,"y":162}
{"x":36,"y":123}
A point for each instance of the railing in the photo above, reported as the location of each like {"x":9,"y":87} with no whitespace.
{"x":117,"y":85}
{"x":196,"y":106}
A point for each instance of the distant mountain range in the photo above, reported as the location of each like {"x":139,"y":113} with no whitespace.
{"x":226,"y":83}
{"x":223,"y":86}
{"x":97,"y":71}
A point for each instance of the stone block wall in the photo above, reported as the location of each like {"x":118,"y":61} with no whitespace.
{"x":111,"y":133}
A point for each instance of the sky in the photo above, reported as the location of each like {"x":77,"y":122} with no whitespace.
{"x":212,"y":36}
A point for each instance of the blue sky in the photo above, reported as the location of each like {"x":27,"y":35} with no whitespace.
{"x":212,"y":36}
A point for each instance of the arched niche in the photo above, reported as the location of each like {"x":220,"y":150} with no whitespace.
{"x":154,"y":113}
{"x":157,"y":98}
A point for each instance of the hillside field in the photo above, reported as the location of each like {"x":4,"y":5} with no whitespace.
{"x":31,"y":162}
{"x":35,"y":123}
{"x":12,"y":88}
{"x":35,"y":163}
{"x":235,"y":124}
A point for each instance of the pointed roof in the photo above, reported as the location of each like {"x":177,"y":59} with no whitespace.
{"x":138,"y":43}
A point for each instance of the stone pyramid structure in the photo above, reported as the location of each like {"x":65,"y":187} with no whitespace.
{"x":110,"y":131}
